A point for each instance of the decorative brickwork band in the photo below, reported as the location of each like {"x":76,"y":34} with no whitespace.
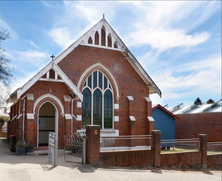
{"x":203,"y":149}
{"x":92,"y":144}
{"x":156,"y":147}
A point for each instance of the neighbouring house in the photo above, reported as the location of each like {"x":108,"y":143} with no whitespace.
{"x":199,"y":119}
{"x":95,"y":81}
{"x":165,"y":122}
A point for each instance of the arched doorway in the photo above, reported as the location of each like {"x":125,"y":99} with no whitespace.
{"x":46,"y":123}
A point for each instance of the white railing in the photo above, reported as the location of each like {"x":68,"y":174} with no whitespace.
{"x":181,"y":145}
{"x":126,"y":142}
{"x":214,"y":147}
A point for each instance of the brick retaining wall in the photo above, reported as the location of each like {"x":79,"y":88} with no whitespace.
{"x":214,"y":160}
{"x":127,"y":158}
{"x":181,"y":159}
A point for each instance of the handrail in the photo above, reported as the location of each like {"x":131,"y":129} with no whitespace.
{"x":214,"y":143}
{"x":128,"y":137}
{"x":180,"y":140}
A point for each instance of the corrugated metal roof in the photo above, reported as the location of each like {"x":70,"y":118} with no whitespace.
{"x":198,"y":108}
{"x":216,"y":107}
{"x":181,"y":109}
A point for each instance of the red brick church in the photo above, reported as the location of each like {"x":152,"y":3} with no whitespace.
{"x":95,"y":81}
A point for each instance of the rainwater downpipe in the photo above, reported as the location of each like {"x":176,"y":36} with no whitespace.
{"x":23,"y":119}
{"x":71,"y":118}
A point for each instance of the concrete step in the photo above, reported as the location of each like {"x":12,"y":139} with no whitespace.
{"x":41,"y":148}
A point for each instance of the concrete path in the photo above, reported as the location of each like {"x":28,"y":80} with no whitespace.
{"x":37,"y":168}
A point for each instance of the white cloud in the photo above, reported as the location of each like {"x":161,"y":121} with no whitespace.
{"x":45,"y":3}
{"x":21,"y":80}
{"x":33,"y":44}
{"x":29,"y":58}
{"x":159,"y":14}
{"x":25,"y":64}
{"x":92,"y":11}
{"x":163,"y":25}
{"x":77,"y":18}
{"x":207,"y":10}
{"x":165,"y":14}
{"x":196,"y":66}
{"x":30,"y":55}
{"x":163,"y":39}
{"x":204,"y":77}
{"x":5,"y":26}
{"x":62,"y":36}
{"x":166,"y":25}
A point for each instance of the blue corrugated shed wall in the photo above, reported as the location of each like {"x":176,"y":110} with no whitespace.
{"x":164,"y":122}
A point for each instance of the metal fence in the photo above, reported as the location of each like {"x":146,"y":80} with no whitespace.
{"x":214,"y":147}
{"x":127,"y":142}
{"x":180,"y":145}
{"x":75,"y":148}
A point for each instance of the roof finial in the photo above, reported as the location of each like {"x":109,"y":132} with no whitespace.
{"x":52,"y":56}
{"x":103,"y":16}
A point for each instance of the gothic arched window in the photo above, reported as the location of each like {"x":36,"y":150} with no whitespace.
{"x":97,"y":106}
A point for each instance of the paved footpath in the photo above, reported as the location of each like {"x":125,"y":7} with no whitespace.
{"x":37,"y":168}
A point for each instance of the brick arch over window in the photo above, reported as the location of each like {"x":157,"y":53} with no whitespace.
{"x":103,"y":69}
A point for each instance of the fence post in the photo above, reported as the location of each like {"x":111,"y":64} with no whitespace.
{"x":92,"y":144}
{"x":203,"y":149}
{"x":156,"y":147}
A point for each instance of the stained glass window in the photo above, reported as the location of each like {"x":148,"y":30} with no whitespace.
{"x":86,"y":105}
{"x":90,"y":81}
{"x":108,"y":109}
{"x":97,"y":107}
{"x":95,"y":79}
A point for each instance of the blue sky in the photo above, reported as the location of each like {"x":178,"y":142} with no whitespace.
{"x":178,"y":43}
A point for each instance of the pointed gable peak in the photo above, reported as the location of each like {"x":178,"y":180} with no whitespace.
{"x":102,"y":35}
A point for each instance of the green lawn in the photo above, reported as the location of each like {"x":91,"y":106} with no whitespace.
{"x":178,"y":150}
{"x":214,"y":152}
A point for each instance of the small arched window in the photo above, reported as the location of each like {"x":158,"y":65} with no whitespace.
{"x":97,"y":107}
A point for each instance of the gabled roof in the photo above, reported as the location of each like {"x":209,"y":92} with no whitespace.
{"x":168,"y":112}
{"x":20,"y":91}
{"x":83,"y":40}
{"x":117,"y":45}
